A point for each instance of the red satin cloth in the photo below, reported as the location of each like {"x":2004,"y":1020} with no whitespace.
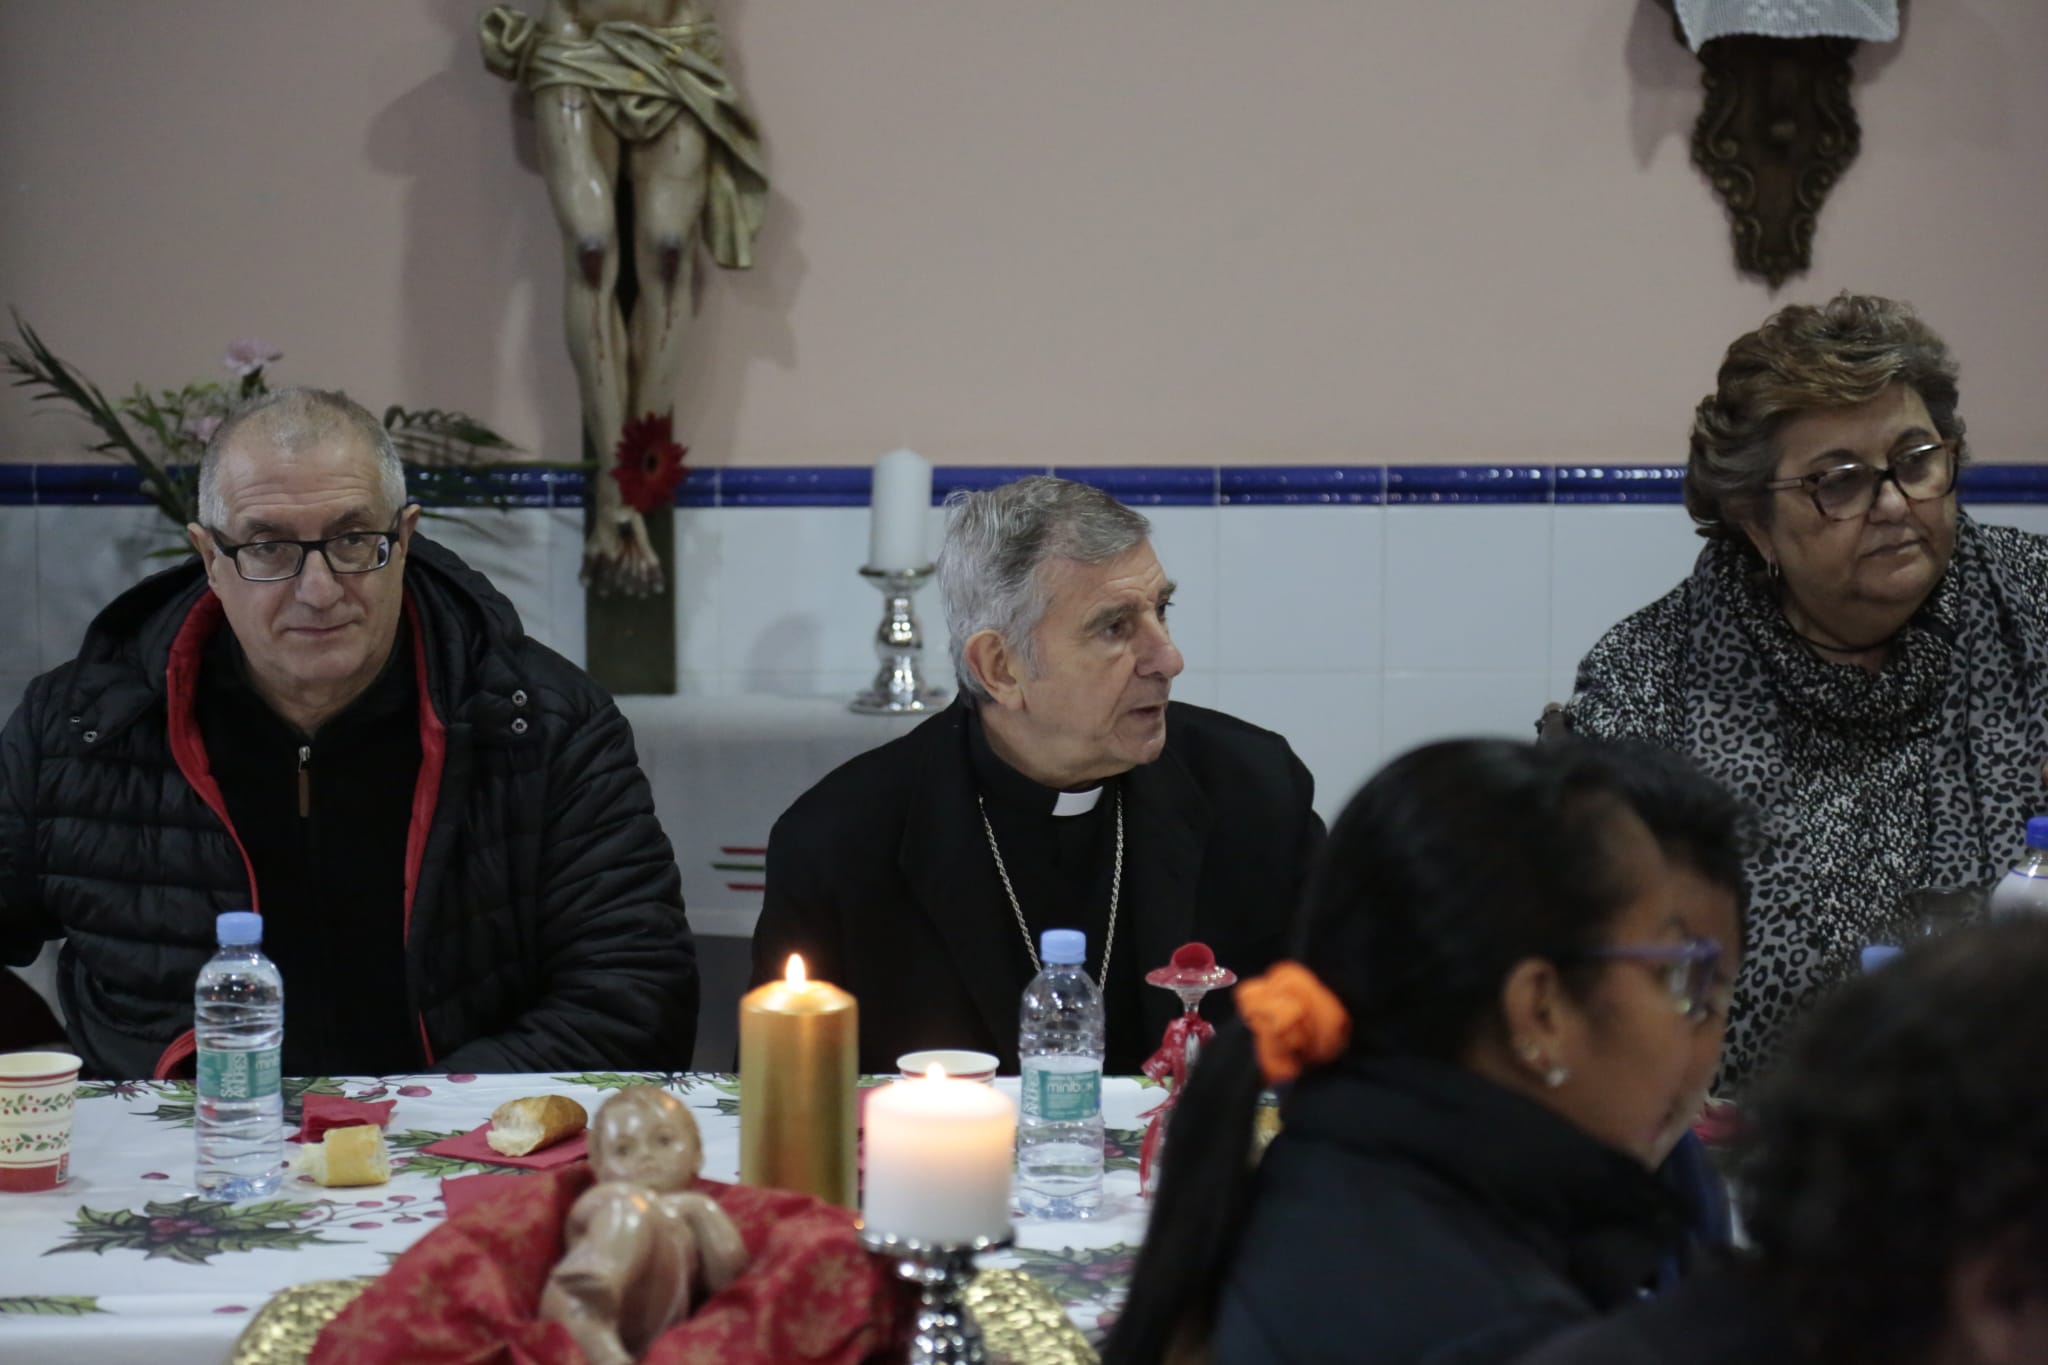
{"x":469,"y":1290}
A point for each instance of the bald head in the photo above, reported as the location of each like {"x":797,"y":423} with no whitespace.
{"x":288,"y":422}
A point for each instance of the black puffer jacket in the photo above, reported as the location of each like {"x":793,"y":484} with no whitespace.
{"x":544,"y":917}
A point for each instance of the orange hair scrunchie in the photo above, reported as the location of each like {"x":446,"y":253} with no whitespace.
{"x":1295,"y":1020}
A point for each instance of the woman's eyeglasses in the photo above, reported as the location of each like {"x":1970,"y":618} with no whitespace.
{"x":1691,"y":972}
{"x":1921,"y":473}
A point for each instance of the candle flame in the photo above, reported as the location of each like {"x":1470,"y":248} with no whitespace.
{"x":935,"y":1072}
{"x":793,"y":974}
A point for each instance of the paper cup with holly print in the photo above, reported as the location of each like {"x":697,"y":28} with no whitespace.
{"x":37,"y":1090}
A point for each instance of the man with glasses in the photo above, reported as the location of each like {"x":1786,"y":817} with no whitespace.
{"x":1852,"y":654}
{"x":333,"y":720}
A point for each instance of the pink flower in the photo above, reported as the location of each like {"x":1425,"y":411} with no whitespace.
{"x":247,"y":356}
{"x":201,"y":429}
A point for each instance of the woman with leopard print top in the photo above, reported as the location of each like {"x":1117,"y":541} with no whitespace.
{"x":1857,"y":659}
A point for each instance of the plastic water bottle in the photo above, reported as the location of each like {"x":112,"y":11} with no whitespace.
{"x":238,"y":1024}
{"x":1059,"y":1123}
{"x":2024,"y":890}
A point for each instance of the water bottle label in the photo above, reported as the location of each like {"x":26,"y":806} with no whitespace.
{"x":1062,"y":1096}
{"x":225,"y":1075}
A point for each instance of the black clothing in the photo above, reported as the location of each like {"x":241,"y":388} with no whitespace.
{"x":1063,"y":868}
{"x":881,"y":877}
{"x":1411,"y":1211}
{"x":1727,"y":1317}
{"x":324,"y":819}
{"x":543,"y":925}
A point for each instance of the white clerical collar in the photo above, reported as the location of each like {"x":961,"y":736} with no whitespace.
{"x":1077,"y":803}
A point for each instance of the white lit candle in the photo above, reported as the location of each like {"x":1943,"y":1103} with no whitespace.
{"x":900,"y":506}
{"x":938,"y":1159}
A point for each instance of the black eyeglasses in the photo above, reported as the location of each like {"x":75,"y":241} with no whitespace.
{"x":273,"y":561}
{"x":1691,"y":971}
{"x":1921,"y":474}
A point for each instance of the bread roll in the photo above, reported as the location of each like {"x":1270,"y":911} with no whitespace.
{"x":346,"y":1156}
{"x":523,"y":1126}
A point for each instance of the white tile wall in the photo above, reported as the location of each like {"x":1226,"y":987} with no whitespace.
{"x":21,"y":639}
{"x":792,"y":602}
{"x":513,"y":549}
{"x":1331,"y":719}
{"x":1606,"y":562}
{"x":1420,"y":707}
{"x":86,"y":556}
{"x":1184,"y":538}
{"x":1467,"y":589}
{"x":1300,"y":588}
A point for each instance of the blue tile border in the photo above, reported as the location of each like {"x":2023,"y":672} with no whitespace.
{"x":119,"y":485}
{"x":1636,"y":483}
{"x":1149,"y":485}
{"x":1459,"y":483}
{"x":1995,"y":483}
{"x":1301,"y":485}
{"x":950,"y":478}
{"x":86,"y":485}
{"x":18,"y":485}
{"x":795,"y":486}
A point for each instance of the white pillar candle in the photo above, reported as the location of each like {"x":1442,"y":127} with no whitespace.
{"x":938,"y":1158}
{"x":900,"y":506}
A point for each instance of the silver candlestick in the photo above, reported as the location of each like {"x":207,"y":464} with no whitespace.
{"x":946,"y":1332}
{"x":899,"y":688}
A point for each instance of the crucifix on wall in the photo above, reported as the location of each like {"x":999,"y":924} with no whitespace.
{"x":647,"y":152}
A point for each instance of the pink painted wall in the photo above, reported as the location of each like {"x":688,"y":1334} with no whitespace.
{"x":1172,"y":231}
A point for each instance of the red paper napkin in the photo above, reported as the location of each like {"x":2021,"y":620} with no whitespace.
{"x":471,"y":1146}
{"x":458,"y":1192}
{"x":321,"y":1112}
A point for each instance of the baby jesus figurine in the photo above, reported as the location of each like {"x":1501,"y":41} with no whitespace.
{"x":643,"y":1246}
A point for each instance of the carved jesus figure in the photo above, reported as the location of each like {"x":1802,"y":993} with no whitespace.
{"x":632,"y":91}
{"x":644,"y":1247}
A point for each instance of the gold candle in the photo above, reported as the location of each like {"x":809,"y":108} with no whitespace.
{"x":799,"y":1041}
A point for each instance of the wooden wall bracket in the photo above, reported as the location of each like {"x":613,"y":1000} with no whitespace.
{"x":1776,"y":132}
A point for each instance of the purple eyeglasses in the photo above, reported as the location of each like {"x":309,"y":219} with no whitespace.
{"x":1691,"y":969}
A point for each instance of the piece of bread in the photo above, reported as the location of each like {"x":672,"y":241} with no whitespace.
{"x":346,"y":1156}
{"x":523,"y":1126}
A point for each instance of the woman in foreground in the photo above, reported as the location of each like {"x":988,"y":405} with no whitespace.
{"x":1513,"y":968}
{"x":1895,"y":1184}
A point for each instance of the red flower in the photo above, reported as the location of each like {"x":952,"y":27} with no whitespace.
{"x":649,"y":463}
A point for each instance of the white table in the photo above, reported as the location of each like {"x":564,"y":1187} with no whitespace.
{"x":127,"y":1263}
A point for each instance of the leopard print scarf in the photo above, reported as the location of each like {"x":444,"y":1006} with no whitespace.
{"x":1872,"y":791}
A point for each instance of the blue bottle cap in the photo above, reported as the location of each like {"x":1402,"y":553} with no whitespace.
{"x":238,"y":927}
{"x":1064,"y":946}
{"x":2037,"y":832}
{"x":1877,"y":954}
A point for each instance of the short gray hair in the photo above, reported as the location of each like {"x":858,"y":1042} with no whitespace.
{"x":1806,"y":358}
{"x":998,"y":542}
{"x":292,"y":419}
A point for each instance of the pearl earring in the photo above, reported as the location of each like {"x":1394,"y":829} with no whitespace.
{"x":1555,"y":1076}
